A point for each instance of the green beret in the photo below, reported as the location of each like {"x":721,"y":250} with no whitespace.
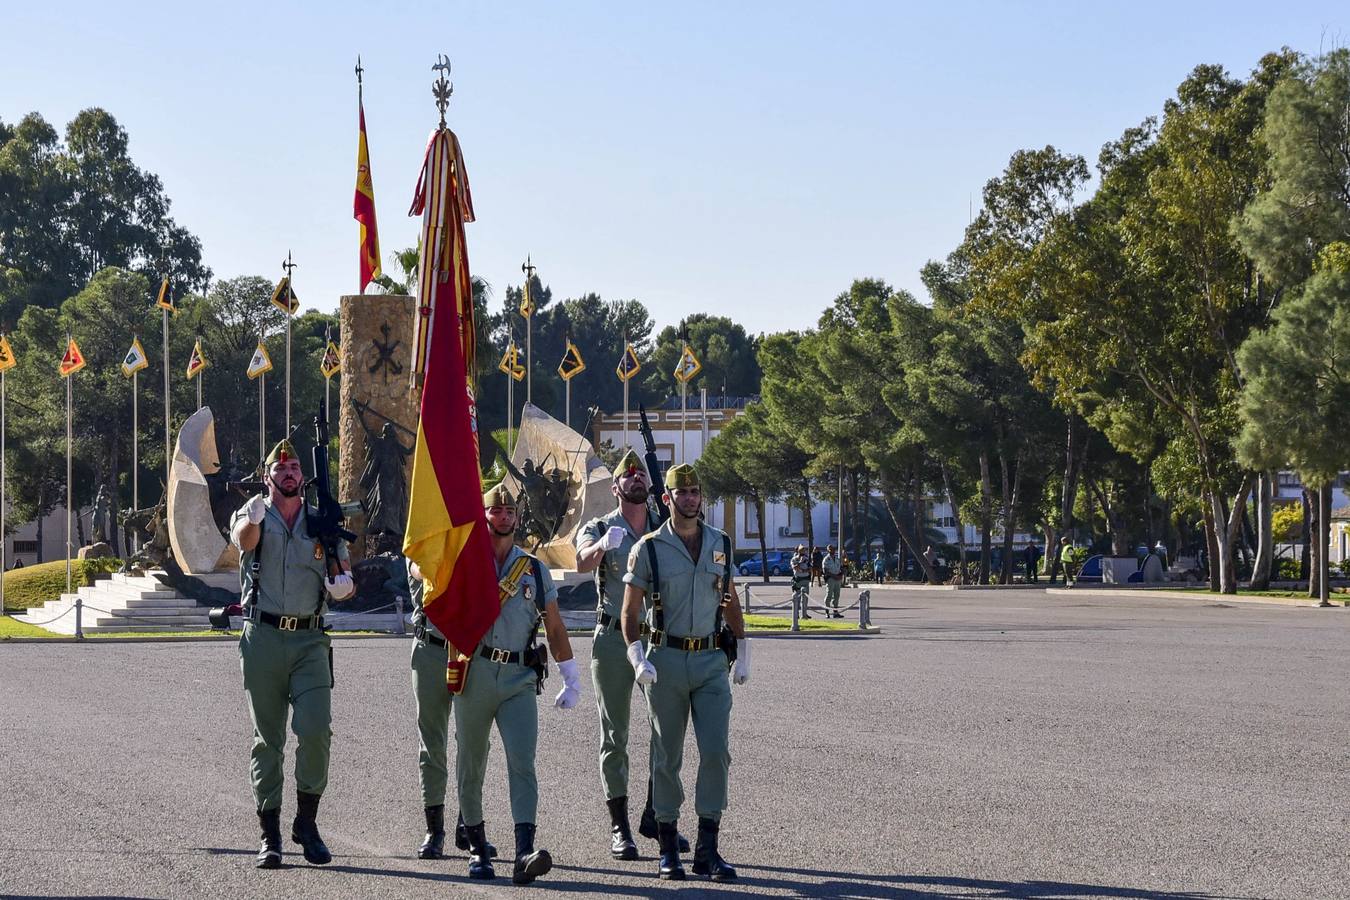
{"x":499,"y":496}
{"x":283,"y":451}
{"x":681,"y":476}
{"x":630,"y":460}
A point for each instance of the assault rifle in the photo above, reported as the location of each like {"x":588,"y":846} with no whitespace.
{"x":325,"y":523}
{"x":656,"y":484}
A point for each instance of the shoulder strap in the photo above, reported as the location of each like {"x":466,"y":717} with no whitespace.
{"x":600,"y":586}
{"x":658,"y":614}
{"x":538,"y":584}
{"x":726,"y":581}
{"x":255,"y":567}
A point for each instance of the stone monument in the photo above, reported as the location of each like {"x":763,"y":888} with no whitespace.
{"x":198,"y":544}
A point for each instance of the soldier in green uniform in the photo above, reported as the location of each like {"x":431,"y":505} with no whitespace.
{"x":500,"y":686}
{"x":680,"y":575}
{"x":284,"y":651}
{"x":801,"y":579}
{"x":603,"y":546}
{"x":834,"y":580}
{"x":430,"y":654}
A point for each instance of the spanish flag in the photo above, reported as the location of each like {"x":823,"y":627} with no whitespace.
{"x":447,"y":533}
{"x":363,"y":206}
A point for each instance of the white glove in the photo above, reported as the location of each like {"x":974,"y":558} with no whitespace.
{"x":645,"y":671}
{"x":255,"y":510}
{"x":570,"y":695}
{"x":740,"y":672}
{"x":340,"y":586}
{"x":613,"y":538}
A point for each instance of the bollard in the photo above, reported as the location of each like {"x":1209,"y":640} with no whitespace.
{"x":796,"y":609}
{"x":79,"y":624}
{"x":864,"y":610}
{"x":398,"y":608}
{"x":747,"y":599}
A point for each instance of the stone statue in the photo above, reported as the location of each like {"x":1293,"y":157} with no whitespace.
{"x":102,"y":510}
{"x":544,"y":499}
{"x":384,"y":478}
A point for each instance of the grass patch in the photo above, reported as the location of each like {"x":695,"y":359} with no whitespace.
{"x":1300,"y":595}
{"x":778,"y":623}
{"x":36,"y":584}
{"x":12,"y":628}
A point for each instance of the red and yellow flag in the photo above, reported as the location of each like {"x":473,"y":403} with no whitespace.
{"x":363,"y":206}
{"x":447,"y":534}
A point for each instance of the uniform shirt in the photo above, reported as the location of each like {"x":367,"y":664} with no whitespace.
{"x":615,"y":563}
{"x":801,"y":566}
{"x":691,"y":590}
{"x":830,"y":566}
{"x":417,"y":590}
{"x":293,"y":565}
{"x":515,"y":621}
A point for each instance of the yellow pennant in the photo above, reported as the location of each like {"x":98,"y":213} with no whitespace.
{"x":7,"y":360}
{"x":510,"y":363}
{"x":135,"y":359}
{"x":281,"y":293}
{"x":260,"y":364}
{"x":526,"y":300}
{"x":688,"y":366}
{"x":73,"y":361}
{"x":197,"y":361}
{"x":165,"y":299}
{"x":572,"y":364}
{"x":331,"y":363}
{"x":628,"y":363}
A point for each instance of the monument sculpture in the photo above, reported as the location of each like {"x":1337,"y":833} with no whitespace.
{"x":384,"y":480}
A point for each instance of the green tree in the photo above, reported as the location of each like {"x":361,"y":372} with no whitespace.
{"x":722,"y":346}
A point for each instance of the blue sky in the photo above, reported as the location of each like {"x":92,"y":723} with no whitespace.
{"x":749,"y":159}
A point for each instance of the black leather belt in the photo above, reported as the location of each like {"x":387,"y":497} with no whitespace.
{"x":287,"y":623}
{"x":422,"y":634}
{"x":605,"y":620}
{"x":691,"y":644}
{"x":498,"y":656}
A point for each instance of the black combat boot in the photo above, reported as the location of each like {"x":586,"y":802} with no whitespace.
{"x":433,"y":845}
{"x":480,"y":863}
{"x":530,"y":863}
{"x":669,"y":868}
{"x":647,"y":824}
{"x":269,"y":854}
{"x":462,"y":837}
{"x":305,"y":832}
{"x":621,"y":845}
{"x":707,"y":861}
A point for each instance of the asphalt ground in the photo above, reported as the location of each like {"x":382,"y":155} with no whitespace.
{"x":1003,"y":745}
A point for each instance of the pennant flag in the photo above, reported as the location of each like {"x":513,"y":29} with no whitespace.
{"x":331,"y":363}
{"x":628,"y":364}
{"x":572,"y":364}
{"x":135,"y":359}
{"x":260,"y":364}
{"x":447,"y":533}
{"x":7,"y":360}
{"x":527,"y":298}
{"x":165,"y":299}
{"x":510,"y":364}
{"x":283,"y":288}
{"x":688,"y":366}
{"x":73,"y":361}
{"x":197,"y":361}
{"x":363,"y":206}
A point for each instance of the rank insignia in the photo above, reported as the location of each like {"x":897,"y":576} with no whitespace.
{"x":719,"y":558}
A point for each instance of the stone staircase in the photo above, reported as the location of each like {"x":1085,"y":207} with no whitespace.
{"x":122,"y":603}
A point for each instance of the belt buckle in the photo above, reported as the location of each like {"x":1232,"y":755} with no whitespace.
{"x":500,"y":656}
{"x":691,"y":644}
{"x":289,"y":623}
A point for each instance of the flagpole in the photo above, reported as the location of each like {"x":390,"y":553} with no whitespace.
{"x":135,"y":449}
{"x":70,"y":429}
{"x":262,"y":417}
{"x":168,"y":451}
{"x":510,"y":412}
{"x":528,"y":303}
{"x":288,"y":265}
{"x":684,"y":388}
{"x":4,"y":561}
{"x":625,"y":411}
{"x":567,"y":402}
{"x":327,"y":339}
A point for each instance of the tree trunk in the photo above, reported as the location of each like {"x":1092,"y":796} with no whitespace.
{"x":810,"y":525}
{"x":906,"y":536}
{"x":763,"y":544}
{"x":1211,"y":544}
{"x":986,"y":517}
{"x":1316,"y":546}
{"x":1265,"y":546}
{"x":866,"y":512}
{"x":41,"y":515}
{"x":1324,"y":545}
{"x":1304,"y":573}
{"x":1227,"y":522}
{"x":1010,"y":492}
{"x":1073,"y":464}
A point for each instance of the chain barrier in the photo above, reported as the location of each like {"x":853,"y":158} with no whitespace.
{"x":49,"y":621}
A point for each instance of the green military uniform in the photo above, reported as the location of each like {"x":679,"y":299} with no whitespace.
{"x":610,"y":672}
{"x":285,"y":655}
{"x":801,"y":580}
{"x":430,"y":653}
{"x":500,"y":688}
{"x":834,"y":580}
{"x":690,"y":683}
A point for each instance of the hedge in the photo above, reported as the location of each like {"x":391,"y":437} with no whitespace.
{"x":36,"y":584}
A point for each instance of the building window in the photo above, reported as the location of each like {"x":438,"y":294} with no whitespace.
{"x":796,"y":521}
{"x":25,"y":547}
{"x":751,"y":519}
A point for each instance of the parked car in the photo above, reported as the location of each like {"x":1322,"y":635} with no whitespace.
{"x":780,"y":563}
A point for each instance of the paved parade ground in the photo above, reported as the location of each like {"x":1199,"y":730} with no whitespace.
{"x":986,"y":744}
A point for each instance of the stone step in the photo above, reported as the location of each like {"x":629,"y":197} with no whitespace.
{"x":137,"y":592}
{"x":156,"y":598}
{"x":147,"y":612}
{"x":149,"y":623}
{"x":158,"y":629}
